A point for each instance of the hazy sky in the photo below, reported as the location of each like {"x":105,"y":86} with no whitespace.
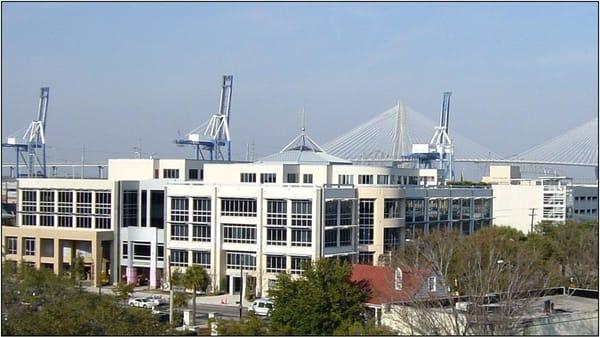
{"x":123,"y":74}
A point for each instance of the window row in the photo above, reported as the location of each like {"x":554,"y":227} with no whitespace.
{"x":179,"y":257}
{"x":66,"y":221}
{"x":83,"y":203}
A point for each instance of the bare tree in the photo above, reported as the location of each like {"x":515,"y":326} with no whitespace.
{"x":494,"y":272}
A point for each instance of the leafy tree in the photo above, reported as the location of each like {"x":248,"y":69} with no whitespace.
{"x":123,"y":291}
{"x":195,"y":278}
{"x":250,"y":325}
{"x":78,"y":268}
{"x":319,"y":302}
{"x":37,"y":302}
{"x":369,"y":328}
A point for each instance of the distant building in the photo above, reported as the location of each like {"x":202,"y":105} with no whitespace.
{"x":554,"y":199}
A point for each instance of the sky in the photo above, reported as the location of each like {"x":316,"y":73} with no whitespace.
{"x":125,"y":75}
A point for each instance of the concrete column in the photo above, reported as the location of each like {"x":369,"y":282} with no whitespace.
{"x":153,"y":282}
{"x":96,"y":261}
{"x":38,"y":252}
{"x":131,"y":275}
{"x":58,"y":256}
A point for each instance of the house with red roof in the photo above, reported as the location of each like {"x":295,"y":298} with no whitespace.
{"x":398,"y":285}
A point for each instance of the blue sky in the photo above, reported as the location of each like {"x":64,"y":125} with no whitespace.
{"x":121,"y":74}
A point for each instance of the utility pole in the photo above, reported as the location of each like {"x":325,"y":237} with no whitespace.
{"x":170,"y":292}
{"x":532,"y":215}
{"x":241,"y":283}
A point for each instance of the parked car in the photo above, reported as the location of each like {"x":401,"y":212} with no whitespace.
{"x":261,"y":306}
{"x":140,"y":303}
{"x":156,"y":299}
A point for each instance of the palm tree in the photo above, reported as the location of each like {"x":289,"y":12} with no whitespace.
{"x":195,"y":278}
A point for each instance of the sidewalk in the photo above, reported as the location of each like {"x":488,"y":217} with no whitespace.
{"x":143,"y":291}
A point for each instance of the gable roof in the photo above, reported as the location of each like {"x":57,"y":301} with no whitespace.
{"x":381,"y":281}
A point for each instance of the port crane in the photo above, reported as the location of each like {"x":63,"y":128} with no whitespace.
{"x":31,"y":148}
{"x":216,"y":139}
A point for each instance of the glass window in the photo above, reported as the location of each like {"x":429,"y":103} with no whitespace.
{"x":47,"y":201}
{"x":65,"y":221}
{"x":125,"y":250}
{"x":276,"y":236}
{"x":179,"y":209}
{"x":235,"y":260}
{"x":277,"y":212}
{"x":65,"y":202}
{"x":392,"y":208}
{"x":179,"y":232}
{"x":276,"y":263}
{"x":179,"y":257}
{"x":193,"y":174}
{"x":366,"y":258}
{"x":201,"y":258}
{"x":301,"y":237}
{"x":366,"y":211}
{"x":239,"y":233}
{"x":83,"y":222}
{"x":331,"y":212}
{"x":331,"y":238}
{"x":391,"y":239}
{"x":29,"y":246}
{"x":238,"y":207}
{"x":307,"y":178}
{"x":383,"y":179}
{"x":11,"y":245}
{"x":28,"y":220}
{"x":365,"y":179}
{"x":141,"y":250}
{"x":130,"y":205}
{"x":346,"y":210}
{"x":345,"y":237}
{"x":248,"y":177}
{"x":28,"y":201}
{"x":171,"y":174}
{"x":84,"y":202}
{"x":268,"y":178}
{"x":292,"y":178}
{"x":302,"y":213}
{"x":345,"y":179}
{"x":47,"y":220}
{"x":298,"y":264}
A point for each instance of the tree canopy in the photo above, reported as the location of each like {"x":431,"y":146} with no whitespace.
{"x":319,"y":302}
{"x":38,"y":302}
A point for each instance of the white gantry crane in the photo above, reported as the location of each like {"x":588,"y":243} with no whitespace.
{"x":440,"y":147}
{"x":216,"y":138}
{"x":33,"y":142}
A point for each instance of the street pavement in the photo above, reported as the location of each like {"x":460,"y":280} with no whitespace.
{"x":225,"y":306}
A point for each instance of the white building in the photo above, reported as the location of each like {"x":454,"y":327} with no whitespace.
{"x":261,"y":217}
{"x":554,"y":199}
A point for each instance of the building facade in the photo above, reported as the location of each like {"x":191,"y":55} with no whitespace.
{"x":244,"y":222}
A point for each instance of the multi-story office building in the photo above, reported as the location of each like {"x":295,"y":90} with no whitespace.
{"x":522,"y":203}
{"x":256,"y":218}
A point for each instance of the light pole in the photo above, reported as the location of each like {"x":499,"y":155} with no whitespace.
{"x":170,"y":292}
{"x":241,"y":283}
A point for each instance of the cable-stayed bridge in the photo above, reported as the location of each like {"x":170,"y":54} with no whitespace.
{"x":389,"y":135}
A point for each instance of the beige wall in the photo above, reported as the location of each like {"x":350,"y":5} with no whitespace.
{"x":62,"y":241}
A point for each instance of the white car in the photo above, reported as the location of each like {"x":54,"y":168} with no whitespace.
{"x":156,"y":300}
{"x":140,"y":303}
{"x":261,"y":306}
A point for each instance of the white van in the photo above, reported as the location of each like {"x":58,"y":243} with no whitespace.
{"x":261,"y":306}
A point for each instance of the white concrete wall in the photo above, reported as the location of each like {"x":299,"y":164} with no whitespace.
{"x":512,"y":205}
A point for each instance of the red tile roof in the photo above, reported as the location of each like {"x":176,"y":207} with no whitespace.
{"x":381,"y":282}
